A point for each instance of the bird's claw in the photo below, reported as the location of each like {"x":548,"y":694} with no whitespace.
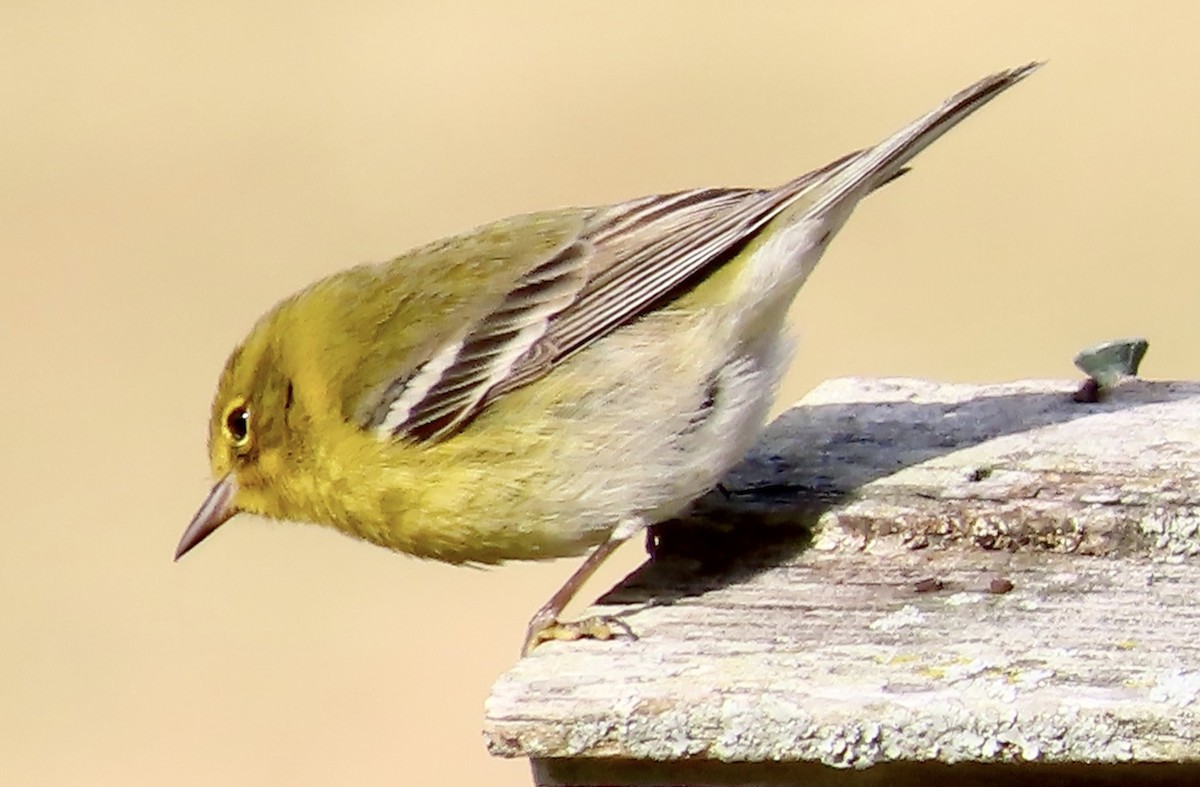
{"x":602,"y":627}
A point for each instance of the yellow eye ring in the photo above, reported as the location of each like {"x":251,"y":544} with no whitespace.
{"x":236,"y":424}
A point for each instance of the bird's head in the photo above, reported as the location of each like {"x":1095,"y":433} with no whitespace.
{"x":251,"y":438}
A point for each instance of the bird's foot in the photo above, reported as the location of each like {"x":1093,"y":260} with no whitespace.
{"x":602,"y":627}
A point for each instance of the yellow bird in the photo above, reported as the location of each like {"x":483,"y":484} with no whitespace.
{"x":543,"y":385}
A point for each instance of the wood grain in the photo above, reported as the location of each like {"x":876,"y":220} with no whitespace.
{"x":902,"y":572}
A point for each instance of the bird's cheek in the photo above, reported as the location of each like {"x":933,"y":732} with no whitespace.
{"x":268,"y":486}
{"x":270,"y":465}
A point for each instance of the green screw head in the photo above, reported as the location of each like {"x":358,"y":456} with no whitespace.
{"x":1110,"y":362}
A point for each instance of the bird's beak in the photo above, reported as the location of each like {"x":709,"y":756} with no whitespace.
{"x":218,"y":507}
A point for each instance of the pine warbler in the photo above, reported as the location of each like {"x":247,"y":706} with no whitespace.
{"x":542,"y":385}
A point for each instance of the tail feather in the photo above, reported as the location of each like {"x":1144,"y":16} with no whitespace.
{"x":861,"y":173}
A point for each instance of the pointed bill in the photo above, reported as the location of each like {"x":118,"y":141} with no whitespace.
{"x":217,"y":508}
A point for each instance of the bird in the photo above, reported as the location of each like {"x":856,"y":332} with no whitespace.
{"x":547,"y":385}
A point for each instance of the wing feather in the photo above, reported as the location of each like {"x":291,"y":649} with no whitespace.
{"x":463,"y":373}
{"x":628,"y":259}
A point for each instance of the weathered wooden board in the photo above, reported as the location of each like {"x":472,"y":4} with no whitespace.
{"x":846,"y":600}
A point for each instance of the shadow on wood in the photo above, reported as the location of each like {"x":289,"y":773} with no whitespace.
{"x":819,"y":457}
{"x":903,"y":573}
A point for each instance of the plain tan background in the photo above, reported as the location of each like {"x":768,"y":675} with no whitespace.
{"x":166,"y":175}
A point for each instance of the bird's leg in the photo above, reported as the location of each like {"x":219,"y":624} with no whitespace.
{"x":545,"y":625}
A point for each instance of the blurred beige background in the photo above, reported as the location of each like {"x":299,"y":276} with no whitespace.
{"x":167,"y":175}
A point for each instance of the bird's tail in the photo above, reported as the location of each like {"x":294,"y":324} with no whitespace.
{"x":803,"y":215}
{"x":846,"y":181}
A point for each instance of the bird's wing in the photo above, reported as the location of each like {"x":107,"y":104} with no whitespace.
{"x":628,"y":259}
{"x":625,"y":260}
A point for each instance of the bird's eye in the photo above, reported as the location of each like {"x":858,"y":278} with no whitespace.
{"x":237,"y":425}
